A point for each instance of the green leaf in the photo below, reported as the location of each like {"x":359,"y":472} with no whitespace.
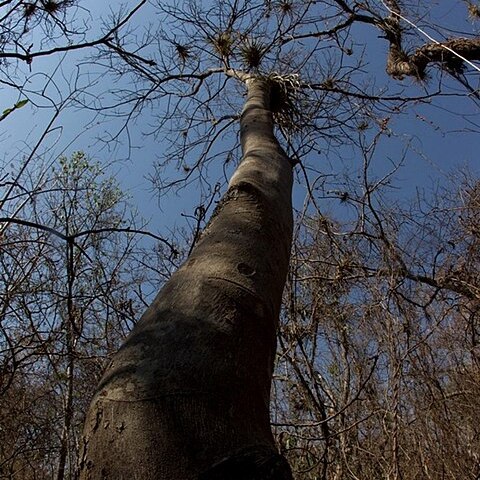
{"x":8,"y":111}
{"x":21,"y":103}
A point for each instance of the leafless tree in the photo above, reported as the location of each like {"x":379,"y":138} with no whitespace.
{"x":187,"y":394}
{"x":378,"y":369}
{"x":188,"y":390}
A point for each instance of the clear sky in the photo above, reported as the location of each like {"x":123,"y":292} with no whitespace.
{"x":438,"y":139}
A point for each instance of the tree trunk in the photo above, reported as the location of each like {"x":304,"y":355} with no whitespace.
{"x":187,"y":395}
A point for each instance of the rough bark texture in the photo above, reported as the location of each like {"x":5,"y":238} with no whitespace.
{"x":187,"y":395}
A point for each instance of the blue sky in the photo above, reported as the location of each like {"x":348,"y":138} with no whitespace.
{"x":438,"y":139}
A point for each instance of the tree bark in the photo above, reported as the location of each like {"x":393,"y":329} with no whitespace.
{"x":187,"y":395}
{"x":451,"y":53}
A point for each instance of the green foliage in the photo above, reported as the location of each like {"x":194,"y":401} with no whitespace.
{"x":90,"y":190}
{"x":17,"y":106}
{"x":59,"y":306}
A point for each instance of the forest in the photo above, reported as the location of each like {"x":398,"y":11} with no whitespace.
{"x":240,"y":240}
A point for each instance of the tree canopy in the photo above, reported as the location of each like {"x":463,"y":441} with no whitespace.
{"x":375,"y":104}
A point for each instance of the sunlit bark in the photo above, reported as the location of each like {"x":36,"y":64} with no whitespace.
{"x":187,"y":395}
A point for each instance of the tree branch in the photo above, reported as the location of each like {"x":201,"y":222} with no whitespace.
{"x":104,"y":40}
{"x":451,"y":54}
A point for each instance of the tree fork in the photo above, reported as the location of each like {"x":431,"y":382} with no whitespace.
{"x":451,"y":53}
{"x":187,"y":395}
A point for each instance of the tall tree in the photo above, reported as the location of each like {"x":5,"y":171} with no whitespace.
{"x":315,"y":68}
{"x":189,"y":390}
{"x":187,"y":394}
